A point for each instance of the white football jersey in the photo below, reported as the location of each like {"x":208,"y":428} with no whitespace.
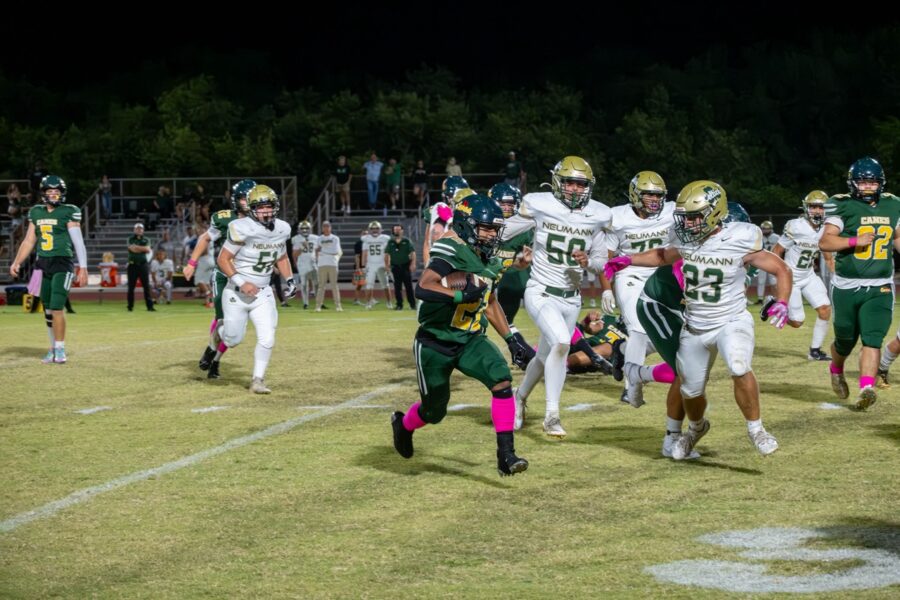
{"x":306,"y":246}
{"x":769,"y":241}
{"x":162,"y":269}
{"x":256,"y":248}
{"x":558,"y":232}
{"x":801,"y":244}
{"x":629,"y":234}
{"x":714,"y":275}
{"x":374,"y":248}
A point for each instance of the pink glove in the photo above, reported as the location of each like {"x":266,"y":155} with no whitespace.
{"x":678,"y":273}
{"x":443,"y":212}
{"x":778,"y":314}
{"x":614,"y":265}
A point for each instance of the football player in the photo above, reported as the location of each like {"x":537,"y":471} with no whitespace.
{"x":304,"y":244}
{"x":516,"y":256}
{"x":374,"y":245}
{"x":60,"y":230}
{"x":716,"y":319}
{"x":645,"y":222}
{"x":216,"y":234}
{"x":569,"y":236}
{"x":452,"y":326}
{"x":862,"y":228}
{"x":799,"y":247}
{"x":253,"y":248}
{"x":439,"y":216}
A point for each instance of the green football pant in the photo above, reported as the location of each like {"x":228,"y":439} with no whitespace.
{"x":479,"y":359}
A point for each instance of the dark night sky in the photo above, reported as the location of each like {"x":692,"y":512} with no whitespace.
{"x":482,"y":44}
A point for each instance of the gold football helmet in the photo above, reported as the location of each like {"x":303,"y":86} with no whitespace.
{"x":700,"y":209}
{"x":575,"y":173}
{"x":647,"y":183}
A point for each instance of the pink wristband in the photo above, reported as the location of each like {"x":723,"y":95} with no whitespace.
{"x":192,"y":262}
{"x":852,"y":242}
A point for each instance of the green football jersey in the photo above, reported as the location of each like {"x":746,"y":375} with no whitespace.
{"x":220,"y":221}
{"x":662,"y":287}
{"x":609,"y":334}
{"x":510,"y":248}
{"x":874,"y":262}
{"x":458,"y":322}
{"x":51,"y":228}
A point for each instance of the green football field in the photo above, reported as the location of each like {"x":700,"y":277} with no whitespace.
{"x":127,"y":474}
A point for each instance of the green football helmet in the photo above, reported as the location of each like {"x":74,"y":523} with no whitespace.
{"x":736,"y":212}
{"x":450,"y":186}
{"x":53,"y":182}
{"x":865,"y":169}
{"x":477,"y":212}
{"x":239,"y":192}
{"x":644,"y":183}
{"x":572,"y":169}
{"x":814,"y":207}
{"x":701,"y":208}
{"x":508,"y":197}
{"x":260,"y":197}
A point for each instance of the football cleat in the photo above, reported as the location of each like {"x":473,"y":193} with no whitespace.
{"x":402,"y":436}
{"x":881,"y":379}
{"x":59,"y":355}
{"x":208,"y":355}
{"x":213,"y":372}
{"x":684,"y":446}
{"x":764,"y":441}
{"x":553,"y":427}
{"x":48,"y":358}
{"x":509,"y":464}
{"x":817,"y":354}
{"x":258,"y":386}
{"x":669,"y":441}
{"x":867,"y":397}
{"x":521,"y":406}
{"x":839,"y":385}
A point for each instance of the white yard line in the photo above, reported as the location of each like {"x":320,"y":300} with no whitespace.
{"x":85,"y":494}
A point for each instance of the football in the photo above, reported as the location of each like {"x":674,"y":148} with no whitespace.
{"x":457,"y":280}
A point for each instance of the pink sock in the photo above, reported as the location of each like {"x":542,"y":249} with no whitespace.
{"x":835,"y":370}
{"x":503,"y":414}
{"x":576,"y":335}
{"x":222,"y":347}
{"x":663,"y":373}
{"x":864,"y":381}
{"x":412,"y":420}
{"x":212,"y":326}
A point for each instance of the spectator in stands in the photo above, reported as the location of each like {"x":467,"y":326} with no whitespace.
{"x":513,"y":171}
{"x":342,"y":177}
{"x":162,"y":270}
{"x":201,"y":202}
{"x":392,"y":178}
{"x":16,"y":214}
{"x":166,"y":244}
{"x":183,"y":208}
{"x":420,"y":183}
{"x":401,"y":260}
{"x":105,"y":197}
{"x":34,"y":180}
{"x":163,"y":203}
{"x":138,"y":249}
{"x":187,"y":245}
{"x":328,"y":256}
{"x":453,"y":168}
{"x":373,"y":175}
